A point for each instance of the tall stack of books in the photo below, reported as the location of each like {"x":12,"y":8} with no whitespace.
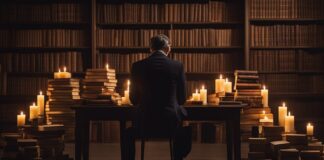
{"x":62,"y":95}
{"x":248,"y":90}
{"x":100,"y":84}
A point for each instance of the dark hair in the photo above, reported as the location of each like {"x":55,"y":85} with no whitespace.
{"x":159,"y":42}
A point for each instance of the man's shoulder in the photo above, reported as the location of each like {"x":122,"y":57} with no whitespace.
{"x":176,"y":63}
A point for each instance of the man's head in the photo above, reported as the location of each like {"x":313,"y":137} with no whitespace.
{"x":160,"y":42}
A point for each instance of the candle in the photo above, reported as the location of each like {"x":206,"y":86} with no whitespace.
{"x":65,"y":74}
{"x":57,"y":75}
{"x":196,"y":96}
{"x":289,"y":123}
{"x":40,"y":103}
{"x":126,"y":93}
{"x":282,"y":112}
{"x":228,"y":86}
{"x":310,"y":129}
{"x":21,"y":119}
{"x":203,"y":95}
{"x":33,"y":111}
{"x":266,"y":120}
{"x":264,"y":94}
{"x":219,"y":85}
{"x":107,"y":67}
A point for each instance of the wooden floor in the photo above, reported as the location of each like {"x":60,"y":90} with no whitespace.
{"x":157,"y":151}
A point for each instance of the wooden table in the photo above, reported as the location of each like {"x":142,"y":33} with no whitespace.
{"x":84,"y":114}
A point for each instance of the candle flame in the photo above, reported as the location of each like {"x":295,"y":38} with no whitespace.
{"x":263,"y":111}
{"x":64,"y":69}
{"x":203,"y":87}
{"x":196,"y":90}
{"x":226,"y":80}
{"x":33,"y":103}
{"x":264,"y":87}
{"x":288,"y":113}
{"x":128,"y":82}
{"x":265,"y":117}
{"x":107,"y":66}
{"x":59,"y":70}
{"x":220,"y":76}
{"x":283,"y":104}
{"x":40,"y":92}
{"x":21,"y":113}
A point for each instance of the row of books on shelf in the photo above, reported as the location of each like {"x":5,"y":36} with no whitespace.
{"x":287,"y":35}
{"x":277,"y":83}
{"x":43,"y":38}
{"x":178,"y":37}
{"x":41,"y":62}
{"x":3,"y":80}
{"x":212,"y":11}
{"x":193,"y":62}
{"x":285,"y":60}
{"x":287,"y":9}
{"x":283,"y":83}
{"x":43,"y":13}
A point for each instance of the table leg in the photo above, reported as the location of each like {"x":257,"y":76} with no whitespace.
{"x":229,"y":140}
{"x":86,"y":139}
{"x":122,"y":128}
{"x":237,"y":138}
{"x":78,"y":136}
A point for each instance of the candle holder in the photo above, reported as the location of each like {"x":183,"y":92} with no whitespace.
{"x":21,"y":131}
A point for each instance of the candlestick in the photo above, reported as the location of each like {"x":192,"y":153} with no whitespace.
{"x":33,"y":112}
{"x":310,"y":129}
{"x":289,"y":123}
{"x":196,"y":96}
{"x":282,"y":112}
{"x":40,"y":103}
{"x":21,"y":119}
{"x":264,"y":94}
{"x":228,"y":86}
{"x":203,"y":95}
{"x":220,"y":85}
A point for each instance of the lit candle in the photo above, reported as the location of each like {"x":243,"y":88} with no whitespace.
{"x":203,"y":95}
{"x":65,"y":74}
{"x":57,"y":75}
{"x":266,"y":120}
{"x":289,"y":123}
{"x":220,"y":85}
{"x":196,"y":96}
{"x":264,"y":94}
{"x":107,"y":67}
{"x":282,"y":112}
{"x":126,"y":93}
{"x":33,"y":111}
{"x":40,"y":103}
{"x":310,"y":129}
{"x":21,"y":119}
{"x":228,"y":86}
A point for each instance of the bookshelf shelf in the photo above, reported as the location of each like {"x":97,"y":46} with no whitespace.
{"x":59,"y":25}
{"x":174,"y":49}
{"x":43,"y":49}
{"x":286,"y":20}
{"x":16,"y":98}
{"x":171,"y":25}
{"x":297,"y":95}
{"x":288,"y":47}
{"x":293,"y":72}
{"x":41,"y":74}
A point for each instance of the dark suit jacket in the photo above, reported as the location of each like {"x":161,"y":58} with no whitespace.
{"x":158,"y":89}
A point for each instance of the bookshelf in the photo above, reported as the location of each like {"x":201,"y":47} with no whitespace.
{"x":210,"y":37}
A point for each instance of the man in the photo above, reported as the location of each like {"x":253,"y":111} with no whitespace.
{"x":158,"y":90}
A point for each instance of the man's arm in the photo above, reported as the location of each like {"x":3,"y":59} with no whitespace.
{"x":181,"y":87}
{"x":134,"y":88}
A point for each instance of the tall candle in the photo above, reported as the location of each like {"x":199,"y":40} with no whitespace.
{"x":264,"y":94}
{"x":282,"y":112}
{"x":289,"y":123}
{"x":126,"y":93}
{"x":40,"y":103}
{"x":203,"y":95}
{"x":65,"y":74}
{"x":196,"y":96}
{"x":107,"y":67}
{"x":220,"y":85}
{"x":228,"y":86}
{"x":21,"y":119}
{"x":33,"y":111}
{"x":310,"y":129}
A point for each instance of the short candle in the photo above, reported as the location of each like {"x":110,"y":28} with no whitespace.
{"x":310,"y":129}
{"x":21,"y":119}
{"x":264,"y":94}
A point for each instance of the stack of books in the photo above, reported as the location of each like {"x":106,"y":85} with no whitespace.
{"x":257,"y":148}
{"x":62,"y":95}
{"x":99,"y":86}
{"x":10,"y":145}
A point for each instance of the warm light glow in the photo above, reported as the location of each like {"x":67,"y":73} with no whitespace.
{"x":264,"y":87}
{"x":59,"y":70}
{"x":107,"y":66}
{"x":40,"y":92}
{"x":196,"y":90}
{"x":288,"y":113}
{"x":21,"y":113}
{"x":220,"y":76}
{"x":265,"y":117}
{"x":203,"y":87}
{"x":33,"y":103}
{"x":128,"y":82}
{"x":283,"y":104}
{"x":309,"y":124}
{"x":64,"y":69}
{"x":226,"y":80}
{"x":263,"y":112}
